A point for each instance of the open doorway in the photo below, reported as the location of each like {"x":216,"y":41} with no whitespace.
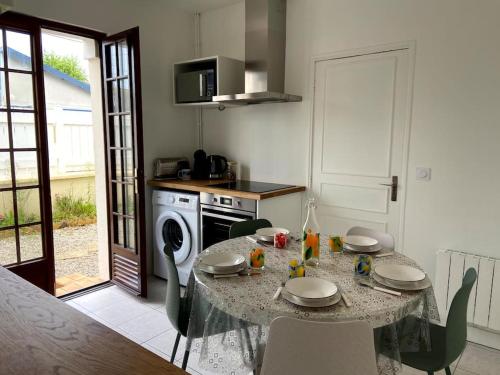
{"x":73,"y":97}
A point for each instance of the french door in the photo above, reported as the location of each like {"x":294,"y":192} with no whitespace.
{"x":25,"y":233}
{"x":26,"y":238}
{"x":125,"y":174}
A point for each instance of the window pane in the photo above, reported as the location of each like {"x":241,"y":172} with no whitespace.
{"x":28,"y":206}
{"x":110,"y":51}
{"x":4,"y":131}
{"x":19,"y":50}
{"x":130,"y":199}
{"x":23,"y":126}
{"x":118,"y":198}
{"x":123,"y":57}
{"x":30,"y":241}
{"x":125,"y":95}
{"x":118,"y":225}
{"x":5,"y":173}
{"x":6,"y":209}
{"x":1,"y":49}
{"x":116,"y":137}
{"x":117,"y":160}
{"x":113,"y":97}
{"x":127,"y":129}
{"x":8,"y":253}
{"x":21,"y":90}
{"x":26,"y":165}
{"x":131,"y":233}
{"x":3,"y":92}
{"x":129,"y":164}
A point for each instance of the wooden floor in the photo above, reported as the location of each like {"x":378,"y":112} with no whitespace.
{"x":74,"y":282}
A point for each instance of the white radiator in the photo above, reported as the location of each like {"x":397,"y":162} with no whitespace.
{"x":484,"y":302}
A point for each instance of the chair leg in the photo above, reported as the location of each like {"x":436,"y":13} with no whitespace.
{"x":430,"y":372}
{"x":174,"y":351}
{"x":447,"y":370}
{"x":185,"y":360}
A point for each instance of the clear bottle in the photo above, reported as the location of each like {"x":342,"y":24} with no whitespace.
{"x":310,"y":236}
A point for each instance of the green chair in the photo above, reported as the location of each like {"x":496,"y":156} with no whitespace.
{"x":447,"y":343}
{"x":179,"y":311}
{"x":248,"y":227}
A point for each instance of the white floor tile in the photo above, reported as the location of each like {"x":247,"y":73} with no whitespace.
{"x":165,"y":343}
{"x":480,"y":360}
{"x":159,"y":353}
{"x":121,"y":312}
{"x":101,"y":299}
{"x":147,"y":326}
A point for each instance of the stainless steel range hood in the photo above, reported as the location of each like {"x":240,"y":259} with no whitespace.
{"x":265,"y":41}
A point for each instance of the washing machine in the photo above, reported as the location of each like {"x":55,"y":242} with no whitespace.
{"x":177,"y":222}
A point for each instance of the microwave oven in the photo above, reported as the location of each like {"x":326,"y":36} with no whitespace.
{"x":198,"y":86}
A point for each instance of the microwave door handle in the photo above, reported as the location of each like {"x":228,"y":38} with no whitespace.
{"x":202,"y":89}
{"x":225,"y":217}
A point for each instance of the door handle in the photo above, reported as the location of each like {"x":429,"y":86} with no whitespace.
{"x":202,"y":90}
{"x":394,"y":188}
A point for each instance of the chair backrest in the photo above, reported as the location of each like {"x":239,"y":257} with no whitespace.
{"x":173,"y":299}
{"x":245,"y":228}
{"x":456,"y":323}
{"x":305,"y":347}
{"x":385,"y":239}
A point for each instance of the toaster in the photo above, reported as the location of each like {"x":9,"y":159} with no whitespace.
{"x":168,"y":167}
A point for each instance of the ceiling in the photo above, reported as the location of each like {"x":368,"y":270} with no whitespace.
{"x":201,"y":5}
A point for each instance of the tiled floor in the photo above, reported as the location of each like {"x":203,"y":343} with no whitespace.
{"x":146,"y":322}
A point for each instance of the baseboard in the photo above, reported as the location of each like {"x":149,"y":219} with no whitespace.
{"x":483,"y":337}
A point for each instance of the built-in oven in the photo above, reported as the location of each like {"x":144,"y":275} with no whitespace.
{"x":219,"y":212}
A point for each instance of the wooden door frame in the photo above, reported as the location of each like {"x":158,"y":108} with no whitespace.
{"x":410,"y":46}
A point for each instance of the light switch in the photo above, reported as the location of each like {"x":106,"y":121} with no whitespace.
{"x":423,"y":174}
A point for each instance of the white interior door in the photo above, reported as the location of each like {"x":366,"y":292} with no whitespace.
{"x":360,"y":116}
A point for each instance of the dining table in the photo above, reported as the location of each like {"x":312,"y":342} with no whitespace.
{"x":231,"y":337}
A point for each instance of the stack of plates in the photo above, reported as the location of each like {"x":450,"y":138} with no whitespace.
{"x":402,"y":277}
{"x":267,"y":234}
{"x":361,"y":244}
{"x":222,"y":264}
{"x":311,"y":292}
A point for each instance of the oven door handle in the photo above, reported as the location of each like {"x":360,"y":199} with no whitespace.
{"x":224,"y":217}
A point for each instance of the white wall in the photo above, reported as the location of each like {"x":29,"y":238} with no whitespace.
{"x":455,"y":119}
{"x":167,"y":35}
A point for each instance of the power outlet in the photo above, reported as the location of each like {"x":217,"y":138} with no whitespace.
{"x":423,"y":174}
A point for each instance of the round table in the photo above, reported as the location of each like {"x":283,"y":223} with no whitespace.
{"x":250,"y":298}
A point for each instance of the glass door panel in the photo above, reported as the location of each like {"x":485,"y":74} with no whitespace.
{"x":22,"y":211}
{"x":125,"y":170}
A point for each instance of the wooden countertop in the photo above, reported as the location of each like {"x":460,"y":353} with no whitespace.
{"x":205,"y":186}
{"x":42,"y":335}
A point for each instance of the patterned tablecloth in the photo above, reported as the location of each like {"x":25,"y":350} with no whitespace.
{"x":245,"y":307}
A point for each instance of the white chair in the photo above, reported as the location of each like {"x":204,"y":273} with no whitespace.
{"x":298,"y":347}
{"x":385,"y":239}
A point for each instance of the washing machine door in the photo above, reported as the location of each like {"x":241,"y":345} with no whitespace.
{"x":172,"y":229}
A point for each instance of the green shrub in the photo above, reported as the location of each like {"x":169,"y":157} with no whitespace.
{"x":68,"y":207}
{"x":69,"y":65}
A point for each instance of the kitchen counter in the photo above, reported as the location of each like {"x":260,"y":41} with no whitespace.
{"x":205,"y":186}
{"x":42,"y":335}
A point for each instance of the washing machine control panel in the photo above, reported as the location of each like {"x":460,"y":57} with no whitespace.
{"x":178,"y":200}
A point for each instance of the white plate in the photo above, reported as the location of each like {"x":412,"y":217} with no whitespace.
{"x":267,"y":234}
{"x":222,"y":260}
{"x":360,"y":241}
{"x":307,"y":302}
{"x":310,"y":287}
{"x":399,"y":272}
{"x":221,"y":270}
{"x":408,"y":286}
{"x":371,"y":249}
